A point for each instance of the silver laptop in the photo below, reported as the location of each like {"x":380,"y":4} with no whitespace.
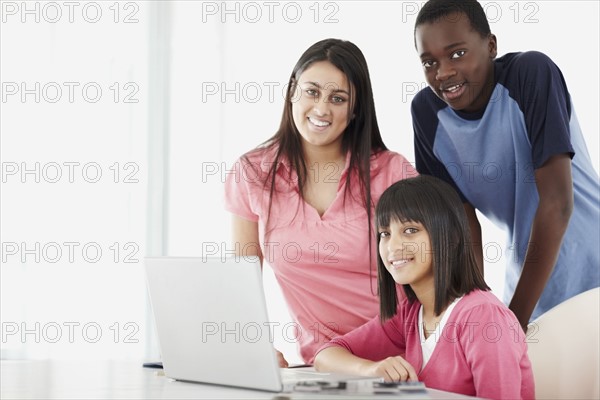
{"x":212,"y":324}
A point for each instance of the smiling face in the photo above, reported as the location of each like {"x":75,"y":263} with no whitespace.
{"x":457,"y":61}
{"x":405,"y":249}
{"x":321,"y":105}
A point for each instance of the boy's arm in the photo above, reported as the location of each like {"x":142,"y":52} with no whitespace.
{"x":555,"y":187}
{"x":475,"y":228}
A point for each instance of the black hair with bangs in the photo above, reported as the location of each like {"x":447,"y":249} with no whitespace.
{"x":436,"y":205}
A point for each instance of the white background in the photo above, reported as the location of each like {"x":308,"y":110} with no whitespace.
{"x":197,"y":85}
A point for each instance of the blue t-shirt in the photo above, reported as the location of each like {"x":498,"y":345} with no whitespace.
{"x":490,"y":158}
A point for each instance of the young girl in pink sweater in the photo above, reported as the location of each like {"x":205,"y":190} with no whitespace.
{"x":450,"y":332}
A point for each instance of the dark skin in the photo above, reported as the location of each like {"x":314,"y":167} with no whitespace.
{"x":459,"y":67}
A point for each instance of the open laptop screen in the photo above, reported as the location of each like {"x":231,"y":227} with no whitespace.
{"x":212,"y":321}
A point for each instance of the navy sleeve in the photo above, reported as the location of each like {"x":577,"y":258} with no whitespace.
{"x":424,"y":108}
{"x":541,"y":92}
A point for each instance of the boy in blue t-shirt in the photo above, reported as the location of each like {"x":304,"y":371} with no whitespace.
{"x":504,"y":133}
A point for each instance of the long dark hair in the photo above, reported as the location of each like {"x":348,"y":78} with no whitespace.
{"x":361,"y":137}
{"x":436,"y":205}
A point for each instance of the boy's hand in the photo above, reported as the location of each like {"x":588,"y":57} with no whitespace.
{"x":392,"y":369}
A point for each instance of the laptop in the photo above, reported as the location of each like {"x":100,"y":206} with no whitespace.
{"x":212,"y":324}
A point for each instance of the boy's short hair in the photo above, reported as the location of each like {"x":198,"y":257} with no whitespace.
{"x":434,"y":10}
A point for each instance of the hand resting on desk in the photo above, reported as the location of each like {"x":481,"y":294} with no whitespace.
{"x":392,"y":369}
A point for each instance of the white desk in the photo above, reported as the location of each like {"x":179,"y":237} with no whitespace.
{"x":120,"y":379}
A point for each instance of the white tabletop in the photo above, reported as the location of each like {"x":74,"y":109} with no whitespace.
{"x":121,"y":379}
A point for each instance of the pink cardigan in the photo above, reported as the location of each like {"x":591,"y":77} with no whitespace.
{"x":481,"y":351}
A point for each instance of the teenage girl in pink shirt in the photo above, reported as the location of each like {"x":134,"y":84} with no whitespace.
{"x":303,"y":201}
{"x":449,"y":332}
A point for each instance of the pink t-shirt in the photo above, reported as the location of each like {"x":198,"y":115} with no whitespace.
{"x":480,"y":352}
{"x":322,"y":263}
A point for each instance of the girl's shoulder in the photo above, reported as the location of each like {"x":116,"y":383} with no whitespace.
{"x":385,"y":156}
{"x":393,"y":163}
{"x":259,"y":161}
{"x":481,"y":303}
{"x":263,"y":154}
{"x":478,"y":297}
